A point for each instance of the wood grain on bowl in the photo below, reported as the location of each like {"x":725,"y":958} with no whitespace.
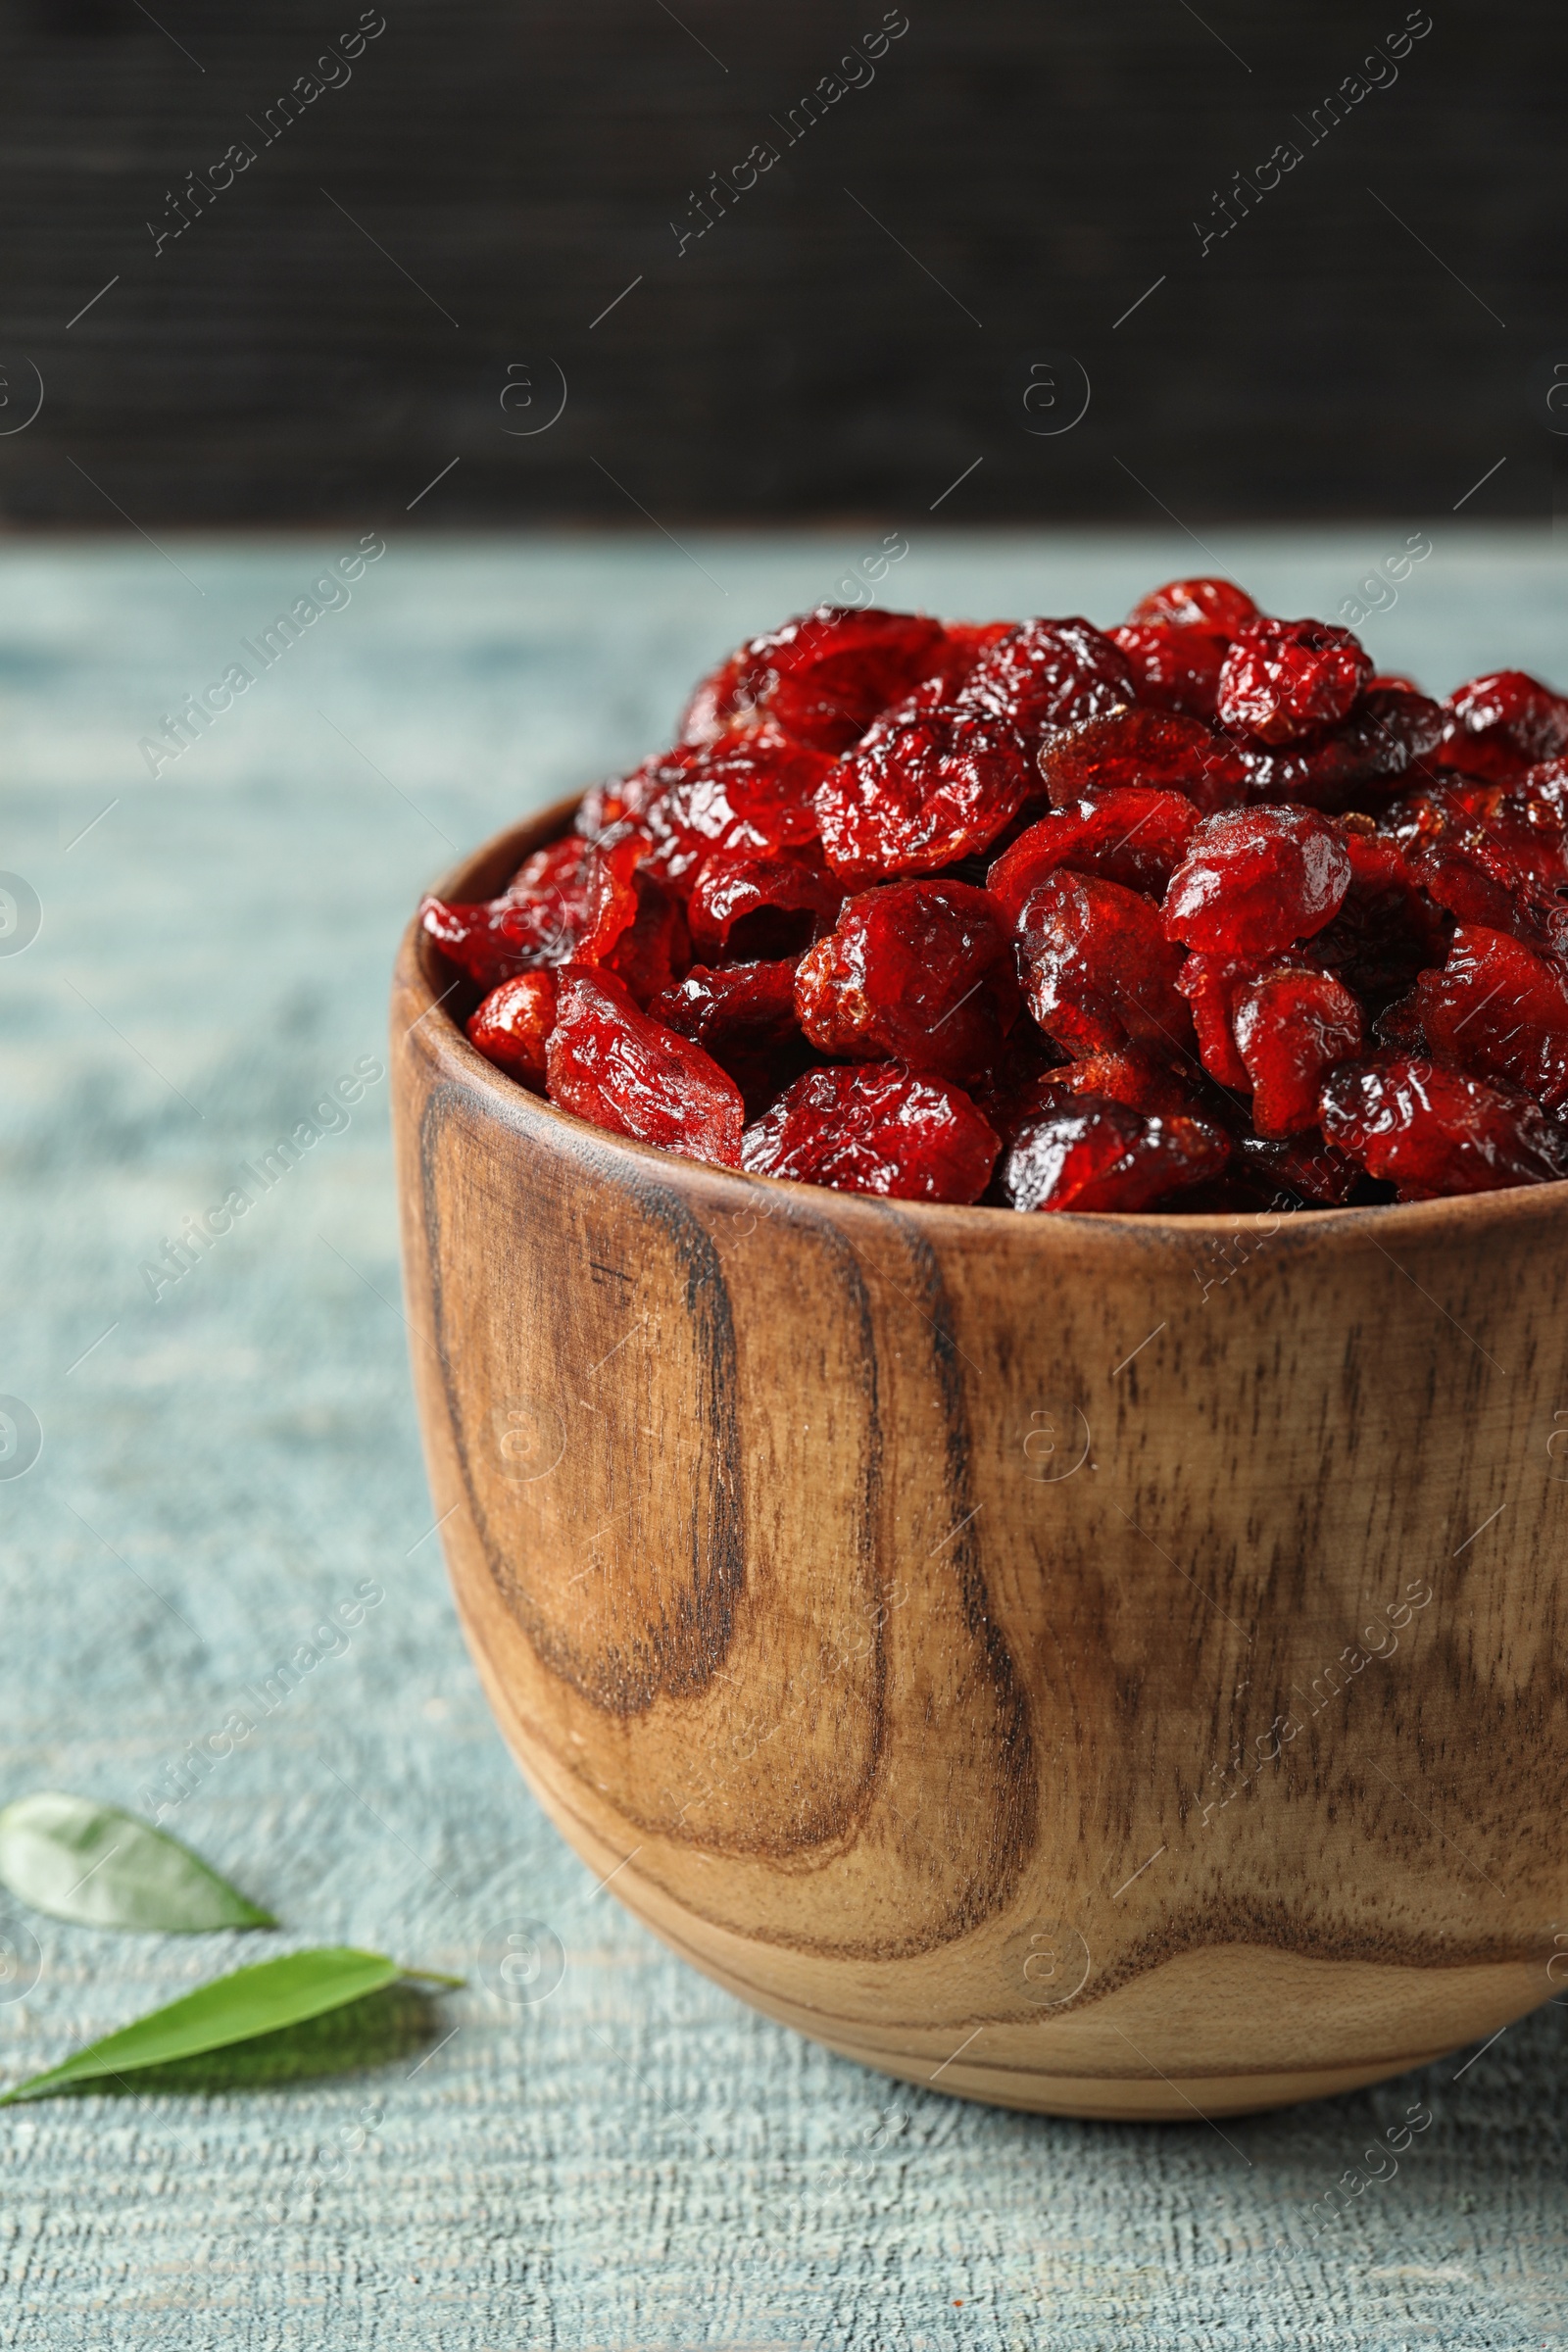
{"x":1099,"y":1664}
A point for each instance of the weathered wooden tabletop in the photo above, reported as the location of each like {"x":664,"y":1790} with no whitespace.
{"x":633,"y":2161}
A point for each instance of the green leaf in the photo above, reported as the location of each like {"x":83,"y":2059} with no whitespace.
{"x":102,"y":1867}
{"x":231,"y":2009}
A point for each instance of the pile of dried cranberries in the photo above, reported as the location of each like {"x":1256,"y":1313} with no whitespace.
{"x":1194,"y":913}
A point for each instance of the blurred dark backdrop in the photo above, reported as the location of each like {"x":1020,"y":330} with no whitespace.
{"x":932,"y":271}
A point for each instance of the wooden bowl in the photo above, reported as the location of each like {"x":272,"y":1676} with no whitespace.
{"x":1107,"y":1665}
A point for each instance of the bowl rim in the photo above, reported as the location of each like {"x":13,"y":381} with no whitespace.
{"x":1424,"y":1219}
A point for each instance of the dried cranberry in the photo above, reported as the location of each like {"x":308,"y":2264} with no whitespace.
{"x":656,"y":949}
{"x":1099,"y":1154}
{"x":1048,"y":673}
{"x":744,"y":1015}
{"x":929,"y":783}
{"x":875,"y":1128}
{"x":920,"y":972}
{"x":611,"y":1063}
{"x":1501,"y":1012}
{"x":1211,"y":985}
{"x":1293,"y":1026}
{"x":964,"y":645}
{"x":1203,"y":604}
{"x":1134,"y":838}
{"x":1430,"y":1129}
{"x":748,"y":793}
{"x":513,"y":1026}
{"x":1282,"y":678}
{"x":1373,"y":752}
{"x":1154,"y":750}
{"x":1174,"y":667}
{"x":1502,"y":724}
{"x":1257,"y":881}
{"x":824,"y":677}
{"x":760,"y":907}
{"x":1097,"y":970}
{"x":1143,"y":1080}
{"x":562,"y":898}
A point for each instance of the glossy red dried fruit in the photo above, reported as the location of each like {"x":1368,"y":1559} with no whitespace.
{"x":1134,"y":838}
{"x":1292,"y":1026}
{"x":744,"y":1015}
{"x":1097,"y":970}
{"x":964,"y":645}
{"x":930,"y":783}
{"x":1257,"y":881}
{"x":568,"y":900}
{"x":748,"y":793}
{"x":1502,"y":723}
{"x":824,"y":677}
{"x":875,"y":1128}
{"x":1048,"y":673}
{"x":1430,"y":1129}
{"x":1150,"y":750}
{"x":1143,"y":1080}
{"x":1339,"y":857}
{"x":1200,"y":604}
{"x":655,"y":947}
{"x":920,"y":972}
{"x":611,"y":1063}
{"x":1501,"y":1012}
{"x":1211,"y":985}
{"x":1102,"y":1155}
{"x":1369,"y":756}
{"x":754,"y":908}
{"x":513,"y":1026}
{"x":1283,"y":679}
{"x":1176,"y":669}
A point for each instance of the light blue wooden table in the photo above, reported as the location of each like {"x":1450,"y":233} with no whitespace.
{"x":634,"y":2162}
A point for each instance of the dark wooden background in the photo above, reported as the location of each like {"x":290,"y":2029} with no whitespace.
{"x":523,"y":161}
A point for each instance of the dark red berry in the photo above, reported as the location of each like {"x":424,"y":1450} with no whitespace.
{"x":927,"y":785}
{"x":1501,"y":1012}
{"x":1293,"y":1026}
{"x":1099,"y":973}
{"x":575,"y":897}
{"x":1257,"y":881}
{"x":1048,"y":673}
{"x":1203,"y":604}
{"x":1176,"y":669}
{"x":1502,"y":724}
{"x":875,"y":1128}
{"x":751,"y":795}
{"x":1132,"y":837}
{"x":1430,"y":1129}
{"x":1282,"y":678}
{"x":513,"y":1026}
{"x":611,"y":1063}
{"x":1366,"y":758}
{"x":824,"y":676}
{"x":1150,"y":750}
{"x":1143,"y":1080}
{"x":1211,"y":985}
{"x":744,"y":1015}
{"x":920,"y":972}
{"x":754,"y":908}
{"x":1102,"y":1155}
